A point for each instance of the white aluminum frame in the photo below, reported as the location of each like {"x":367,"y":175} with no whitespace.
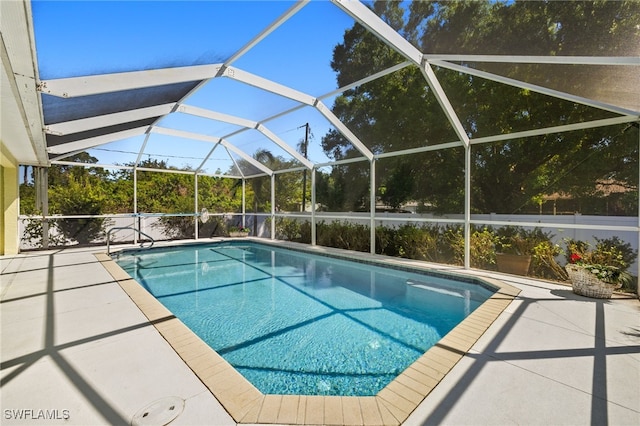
{"x":82,"y":86}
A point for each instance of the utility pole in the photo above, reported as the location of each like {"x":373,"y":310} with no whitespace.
{"x":305,"y":147}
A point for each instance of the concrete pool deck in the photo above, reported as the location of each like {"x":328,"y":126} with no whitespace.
{"x":75,"y":349}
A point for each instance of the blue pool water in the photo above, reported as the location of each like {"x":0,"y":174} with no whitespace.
{"x":299,"y":323}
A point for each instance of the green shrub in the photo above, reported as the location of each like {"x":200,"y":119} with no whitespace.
{"x":615,"y":252}
{"x":544,"y":264}
{"x":439,"y":244}
{"x":483,"y":252}
{"x":80,"y":198}
{"x":482,"y":246}
{"x":293,"y":230}
{"x":386,"y":243}
{"x":420,"y":243}
{"x":344,"y":235}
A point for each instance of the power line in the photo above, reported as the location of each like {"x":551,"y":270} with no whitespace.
{"x":155,"y":155}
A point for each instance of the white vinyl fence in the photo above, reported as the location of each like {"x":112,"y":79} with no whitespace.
{"x":577,"y":227}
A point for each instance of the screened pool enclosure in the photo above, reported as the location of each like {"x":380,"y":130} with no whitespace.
{"x":438,"y":131}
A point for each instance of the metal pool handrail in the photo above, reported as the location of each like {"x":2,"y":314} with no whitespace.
{"x":133,"y":229}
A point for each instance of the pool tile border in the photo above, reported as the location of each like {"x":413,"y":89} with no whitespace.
{"x":247,"y":405}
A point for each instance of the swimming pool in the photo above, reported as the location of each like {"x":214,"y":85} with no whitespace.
{"x":300,"y":323}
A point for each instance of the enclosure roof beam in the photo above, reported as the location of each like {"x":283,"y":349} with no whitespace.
{"x":246,"y":157}
{"x":115,"y":82}
{"x":368,"y":19}
{"x":365,"y":80}
{"x":264,"y":33}
{"x":421,"y":149}
{"x":555,"y":129}
{"x":151,"y":169}
{"x":217,"y":116}
{"x":268,"y":85}
{"x":216,"y":140}
{"x":235,"y":163}
{"x":249,"y":124}
{"x":221,"y":68}
{"x":205,"y":159}
{"x":535,"y":88}
{"x":87,"y":165}
{"x":184,"y":134}
{"x":142,"y":147}
{"x":340,"y":162}
{"x":84,"y":124}
{"x":185,"y":97}
{"x":338,"y":124}
{"x":387,"y":34}
{"x":96,"y":141}
{"x":282,"y":144}
{"x":444,"y":102}
{"x":219,"y":175}
{"x":548,"y":59}
{"x":65,"y":155}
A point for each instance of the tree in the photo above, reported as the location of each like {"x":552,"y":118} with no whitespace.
{"x":59,"y":175}
{"x":399,"y":111}
{"x":79,"y":197}
{"x":399,"y":186}
{"x":78,"y":190}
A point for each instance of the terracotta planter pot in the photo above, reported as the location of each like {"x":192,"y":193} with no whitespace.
{"x":513,"y":263}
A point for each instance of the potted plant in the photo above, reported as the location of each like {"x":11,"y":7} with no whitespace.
{"x":598,"y":272}
{"x":241,"y":231}
{"x":514,"y":250}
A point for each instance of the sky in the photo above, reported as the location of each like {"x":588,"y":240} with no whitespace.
{"x":77,"y":38}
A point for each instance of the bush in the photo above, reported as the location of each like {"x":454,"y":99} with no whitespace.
{"x":293,"y":230}
{"x":544,"y":264}
{"x":386,"y":243}
{"x":482,"y":251}
{"x":344,"y":235}
{"x":412,"y":242}
{"x":615,"y":252}
{"x":80,"y":198}
{"x":439,"y":244}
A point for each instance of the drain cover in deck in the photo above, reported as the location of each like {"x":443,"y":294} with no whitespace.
{"x":160,"y":412}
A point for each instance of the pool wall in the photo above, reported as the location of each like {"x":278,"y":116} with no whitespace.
{"x":391,"y":406}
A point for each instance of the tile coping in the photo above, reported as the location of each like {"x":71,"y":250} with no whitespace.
{"x":246,"y":404}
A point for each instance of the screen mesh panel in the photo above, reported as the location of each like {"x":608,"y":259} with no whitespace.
{"x":58,"y":110}
{"x":54,"y":140}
